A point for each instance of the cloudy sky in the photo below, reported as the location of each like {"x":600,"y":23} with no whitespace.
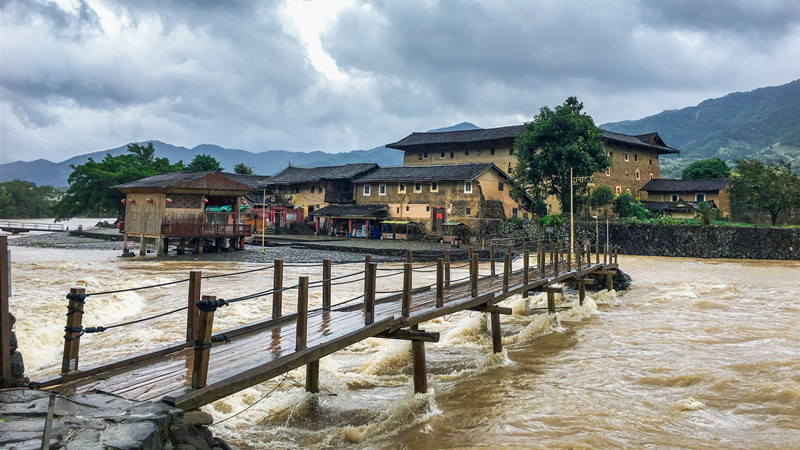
{"x":331,"y":75}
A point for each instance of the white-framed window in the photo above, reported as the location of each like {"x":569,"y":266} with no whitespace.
{"x":366,"y":189}
{"x":382,"y":189}
{"x":638,"y":176}
{"x":441,"y":155}
{"x":651,"y":175}
{"x":468,"y":187}
{"x":626,"y":157}
{"x":608,"y":172}
{"x":618,"y":190}
{"x":699,"y":197}
{"x":627,"y":191}
{"x":434,"y":186}
{"x":418,"y":187}
{"x":675,"y":198}
{"x":626,"y":172}
{"x":401,"y":188}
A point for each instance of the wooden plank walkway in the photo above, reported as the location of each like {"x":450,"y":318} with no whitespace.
{"x":262,"y":350}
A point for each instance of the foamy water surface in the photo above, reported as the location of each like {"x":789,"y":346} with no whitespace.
{"x":698,"y":353}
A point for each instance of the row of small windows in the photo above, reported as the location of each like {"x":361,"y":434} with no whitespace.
{"x":697,"y":198}
{"x":638,"y":175}
{"x":401,"y":188}
{"x":428,"y":209}
{"x":626,"y":157}
{"x":443,"y":155}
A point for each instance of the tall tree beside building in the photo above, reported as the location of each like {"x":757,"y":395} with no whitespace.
{"x":706,"y":169}
{"x":242,"y":169}
{"x":90,"y":184}
{"x":204,"y":163}
{"x":555,"y":141}
{"x":763,"y":187}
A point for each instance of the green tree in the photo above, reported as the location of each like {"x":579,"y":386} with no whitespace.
{"x":705,"y":169}
{"x":601,"y":197}
{"x":764,"y":187}
{"x":707,"y":212}
{"x":204,"y":163}
{"x":555,"y":141}
{"x":626,"y":206}
{"x":243,"y":169}
{"x":91,"y":184}
{"x":22,"y":200}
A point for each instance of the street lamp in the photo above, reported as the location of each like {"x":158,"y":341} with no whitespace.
{"x":589,"y":183}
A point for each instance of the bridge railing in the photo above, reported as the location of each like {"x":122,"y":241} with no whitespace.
{"x":33,"y":226}
{"x":200,"y":308}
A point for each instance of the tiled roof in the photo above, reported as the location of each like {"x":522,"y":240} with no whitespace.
{"x":671,"y":185}
{"x":300,"y":175}
{"x":163,"y":180}
{"x":251,"y":180}
{"x":351,"y":211}
{"x":428,"y":173}
{"x":649,"y":140}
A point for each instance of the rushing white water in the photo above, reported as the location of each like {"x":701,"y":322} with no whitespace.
{"x":698,"y":353}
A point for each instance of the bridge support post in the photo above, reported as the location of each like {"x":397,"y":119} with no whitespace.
{"x":551,"y":303}
{"x":471,"y":252}
{"x":326,"y":284}
{"x":202,"y":343}
{"x":439,"y":283}
{"x":579,"y":256}
{"x":609,"y":282}
{"x":418,"y":361}
{"x":367,"y":261}
{"x":526,"y":257}
{"x":447,"y":268}
{"x":406,"y":305}
{"x":616,"y":253}
{"x":369,"y":294}
{"x":473,"y":275}
{"x":491,"y":258}
{"x":72,"y":335}
{"x":161,"y":245}
{"x":506,"y":269}
{"x":277,"y":286}
{"x":142,"y":245}
{"x":542,"y":261}
{"x":409,"y":256}
{"x":556,"y":257}
{"x":5,"y":318}
{"x":597,"y":251}
{"x":497,"y":337}
{"x":302,"y":314}
{"x":312,"y":377}
{"x":581,"y":292}
{"x":192,"y":313}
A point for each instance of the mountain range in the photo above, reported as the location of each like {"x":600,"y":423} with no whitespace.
{"x":763,"y":123}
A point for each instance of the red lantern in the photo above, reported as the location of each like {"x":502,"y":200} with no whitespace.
{"x":131,"y":201}
{"x":169,"y":201}
{"x":244,"y":202}
{"x":149,"y":200}
{"x":124,"y":201}
{"x":205,"y":200}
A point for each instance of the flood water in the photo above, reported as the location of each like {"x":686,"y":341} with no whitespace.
{"x":698,"y":353}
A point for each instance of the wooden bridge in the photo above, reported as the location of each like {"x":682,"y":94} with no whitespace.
{"x":24,"y":227}
{"x":208,"y":367}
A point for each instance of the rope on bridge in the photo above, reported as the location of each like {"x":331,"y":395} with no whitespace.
{"x":100,"y":329}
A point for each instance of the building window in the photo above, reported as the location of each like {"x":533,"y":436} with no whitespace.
{"x":491,"y":152}
{"x":366,"y":189}
{"x":441,"y":155}
{"x":418,"y":188}
{"x":452,"y":154}
{"x":635,"y":157}
{"x":297,"y":189}
{"x":638,"y":176}
{"x":320,"y":189}
{"x":511,"y":151}
{"x":500,"y":186}
{"x":608,"y":172}
{"x":675,"y":197}
{"x":312,"y":189}
{"x":468,"y":187}
{"x":610,"y":154}
{"x":618,"y":190}
{"x":382,"y":189}
{"x":401,"y":188}
{"x":466,"y":152}
{"x":406,"y":208}
{"x":434,"y":186}
{"x":700,"y":197}
{"x":427,"y":208}
{"x":509,"y":167}
{"x":425,"y":155}
{"x":651,"y":175}
{"x":398,"y":210}
{"x":420,"y":156}
{"x":627,"y":191}
{"x":469,"y":210}
{"x":626,"y":172}
{"x":626,"y":157}
{"x":651,"y":161}
{"x":514,"y":212}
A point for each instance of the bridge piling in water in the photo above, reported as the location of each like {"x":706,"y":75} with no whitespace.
{"x":192,"y":313}
{"x":202,"y":343}
{"x":277,"y":288}
{"x":73,"y":330}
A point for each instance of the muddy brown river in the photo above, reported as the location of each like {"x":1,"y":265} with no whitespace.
{"x":698,"y":353}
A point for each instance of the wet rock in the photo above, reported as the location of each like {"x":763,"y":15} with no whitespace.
{"x":17,"y":366}
{"x":222,"y":444}
{"x":198,"y":442}
{"x":197,"y":417}
{"x":622,"y":281}
{"x":178,"y":434}
{"x":13,"y":342}
{"x":184,"y":447}
{"x":206,"y":434}
{"x":131,"y":436}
